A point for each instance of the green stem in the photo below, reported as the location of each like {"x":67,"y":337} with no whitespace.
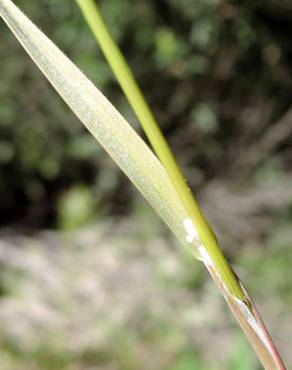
{"x":158,"y":142}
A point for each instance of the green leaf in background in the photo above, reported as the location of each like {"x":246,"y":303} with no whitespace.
{"x":75,"y":207}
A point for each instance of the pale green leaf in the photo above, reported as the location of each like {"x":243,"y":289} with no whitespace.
{"x":99,"y":116}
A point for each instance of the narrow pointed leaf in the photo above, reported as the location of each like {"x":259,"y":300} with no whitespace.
{"x":100,"y":117}
{"x":136,"y":160}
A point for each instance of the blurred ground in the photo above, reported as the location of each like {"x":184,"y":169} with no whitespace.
{"x":109,"y":298}
{"x":118,"y":293}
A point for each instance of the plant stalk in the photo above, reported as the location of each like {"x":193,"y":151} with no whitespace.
{"x":138,"y":103}
{"x":228,"y":283}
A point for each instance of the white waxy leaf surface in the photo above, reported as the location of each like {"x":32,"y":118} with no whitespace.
{"x":104,"y":122}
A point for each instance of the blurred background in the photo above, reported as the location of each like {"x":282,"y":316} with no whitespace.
{"x":90,"y":278}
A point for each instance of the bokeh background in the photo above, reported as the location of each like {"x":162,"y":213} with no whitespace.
{"x":90,"y":278}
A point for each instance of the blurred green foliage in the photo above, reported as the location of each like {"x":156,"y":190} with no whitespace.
{"x":75,"y":208}
{"x":123,"y":357}
{"x":212,"y":70}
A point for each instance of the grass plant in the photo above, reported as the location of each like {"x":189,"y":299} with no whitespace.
{"x":158,"y":179}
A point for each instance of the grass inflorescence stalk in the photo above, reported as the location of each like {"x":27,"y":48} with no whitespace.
{"x":138,"y":103}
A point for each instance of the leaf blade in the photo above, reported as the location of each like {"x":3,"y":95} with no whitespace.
{"x":104,"y":122}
